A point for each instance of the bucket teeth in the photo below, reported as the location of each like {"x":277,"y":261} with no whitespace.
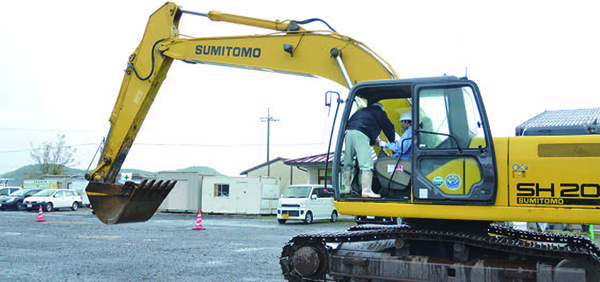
{"x":131,"y":202}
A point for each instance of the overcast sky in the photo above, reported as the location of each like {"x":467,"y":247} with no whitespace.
{"x":62,"y":66}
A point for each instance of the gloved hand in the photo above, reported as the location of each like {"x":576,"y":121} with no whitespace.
{"x":381,"y":143}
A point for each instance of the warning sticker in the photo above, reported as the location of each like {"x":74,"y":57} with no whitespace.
{"x":390,"y":168}
{"x":423,"y":193}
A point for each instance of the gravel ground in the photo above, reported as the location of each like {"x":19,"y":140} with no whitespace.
{"x":75,"y":246}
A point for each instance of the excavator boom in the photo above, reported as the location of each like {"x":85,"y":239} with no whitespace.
{"x":291,"y":50}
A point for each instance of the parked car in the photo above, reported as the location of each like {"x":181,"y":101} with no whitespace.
{"x":53,"y":199}
{"x":5,"y":191}
{"x":307,"y":203}
{"x":14,"y":201}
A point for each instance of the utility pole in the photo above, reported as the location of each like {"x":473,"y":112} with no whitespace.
{"x":268,"y":119}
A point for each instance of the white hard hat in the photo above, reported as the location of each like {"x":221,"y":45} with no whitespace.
{"x":405,"y":116}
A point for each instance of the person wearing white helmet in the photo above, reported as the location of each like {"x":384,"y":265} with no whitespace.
{"x":401,"y":148}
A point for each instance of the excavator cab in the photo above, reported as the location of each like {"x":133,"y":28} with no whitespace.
{"x":452,"y":157}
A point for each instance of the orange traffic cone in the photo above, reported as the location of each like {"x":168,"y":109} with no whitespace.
{"x":40,"y":215}
{"x":198,"y":222}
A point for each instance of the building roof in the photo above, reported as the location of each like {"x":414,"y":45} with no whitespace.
{"x":4,"y":181}
{"x":245,"y":172}
{"x":561,"y":122}
{"x":316,"y":159}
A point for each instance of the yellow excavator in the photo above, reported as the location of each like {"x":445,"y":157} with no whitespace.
{"x":453,"y":193}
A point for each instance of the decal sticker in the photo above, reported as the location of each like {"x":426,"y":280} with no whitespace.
{"x":423,"y":193}
{"x":587,"y":194}
{"x":453,"y":181}
{"x":390,"y":168}
{"x":138,"y":96}
{"x":520,"y":167}
{"x":438,"y":181}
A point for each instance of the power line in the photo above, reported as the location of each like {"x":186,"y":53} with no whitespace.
{"x":50,"y":130}
{"x":225,"y":145}
{"x":180,"y":145}
{"x":27,"y":150}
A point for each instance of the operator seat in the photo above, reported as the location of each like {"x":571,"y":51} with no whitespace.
{"x":394,"y":176}
{"x":429,"y":140}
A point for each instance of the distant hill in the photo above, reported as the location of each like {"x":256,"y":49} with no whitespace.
{"x":25,"y":172}
{"x":199,"y":169}
{"x":137,"y":171}
{"x":29,"y":172}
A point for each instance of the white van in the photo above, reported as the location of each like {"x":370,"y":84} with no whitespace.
{"x":306,"y":202}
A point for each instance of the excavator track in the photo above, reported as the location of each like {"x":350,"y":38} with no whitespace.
{"x":403,"y":253}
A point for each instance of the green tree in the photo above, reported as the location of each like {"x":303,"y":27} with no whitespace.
{"x":53,"y":158}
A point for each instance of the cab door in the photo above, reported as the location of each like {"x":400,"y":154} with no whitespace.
{"x":453,"y":154}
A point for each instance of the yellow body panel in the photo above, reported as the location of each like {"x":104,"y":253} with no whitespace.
{"x":527,"y":168}
{"x":555,"y":171}
{"x":311,"y":57}
{"x":462,"y":212}
{"x":476,"y":142}
{"x":466,"y":169}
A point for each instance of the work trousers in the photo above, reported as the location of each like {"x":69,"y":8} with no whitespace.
{"x":358,"y":145}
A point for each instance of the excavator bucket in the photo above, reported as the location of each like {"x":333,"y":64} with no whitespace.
{"x":131,"y":202}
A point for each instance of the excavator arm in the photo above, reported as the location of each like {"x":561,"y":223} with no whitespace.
{"x":290,"y":49}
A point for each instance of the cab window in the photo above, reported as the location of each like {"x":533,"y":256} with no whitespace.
{"x":449,"y":118}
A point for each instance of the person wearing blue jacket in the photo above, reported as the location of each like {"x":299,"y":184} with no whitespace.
{"x":401,"y":148}
{"x":361,"y":133}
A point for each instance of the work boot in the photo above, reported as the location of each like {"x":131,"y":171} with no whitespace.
{"x":347,"y":181}
{"x":366,"y":181}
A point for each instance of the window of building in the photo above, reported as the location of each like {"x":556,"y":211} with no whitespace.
{"x":221,"y":190}
{"x":322,"y":176}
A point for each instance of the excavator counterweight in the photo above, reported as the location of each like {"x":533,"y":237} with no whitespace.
{"x":131,"y":202}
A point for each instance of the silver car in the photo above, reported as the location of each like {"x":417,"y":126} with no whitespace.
{"x":53,"y":199}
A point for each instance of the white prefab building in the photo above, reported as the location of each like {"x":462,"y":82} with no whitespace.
{"x":186,"y":196}
{"x":240,"y":195}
